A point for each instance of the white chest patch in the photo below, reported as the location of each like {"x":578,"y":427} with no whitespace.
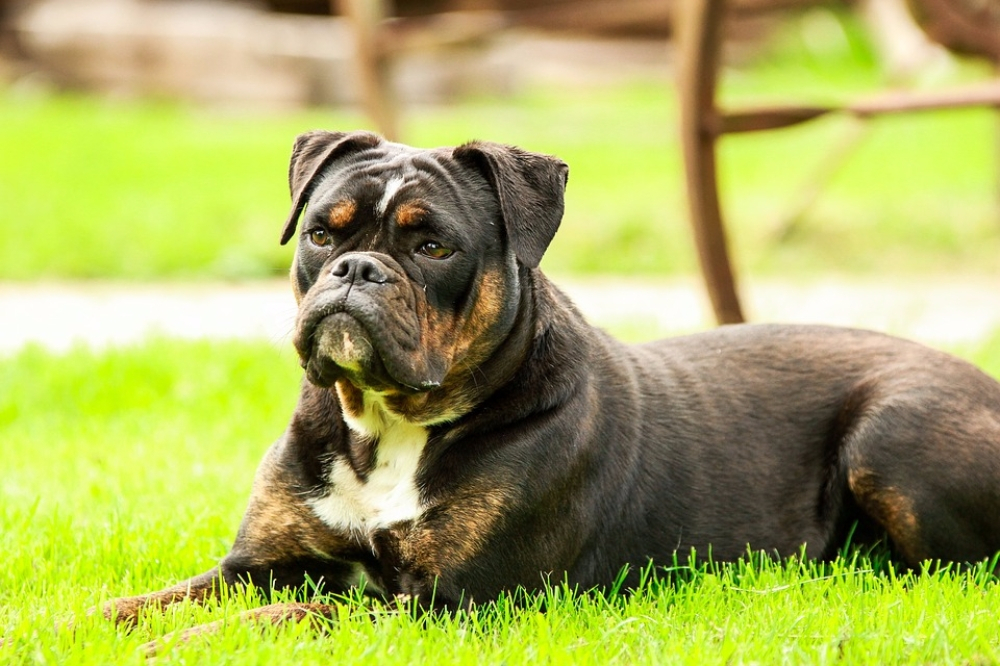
{"x":389,"y":494}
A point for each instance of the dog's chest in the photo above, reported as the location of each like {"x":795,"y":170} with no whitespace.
{"x":386,"y":495}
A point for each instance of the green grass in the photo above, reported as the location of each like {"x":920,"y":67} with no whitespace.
{"x":127,"y":470}
{"x":148,"y":190}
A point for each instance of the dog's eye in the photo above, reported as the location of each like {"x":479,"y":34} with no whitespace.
{"x":319,"y":237}
{"x":435,"y":250}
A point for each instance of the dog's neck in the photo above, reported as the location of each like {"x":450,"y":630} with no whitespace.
{"x":378,"y":437}
{"x":369,"y":418}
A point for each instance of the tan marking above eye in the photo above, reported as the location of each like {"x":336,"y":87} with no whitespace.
{"x":410,"y":214}
{"x":342,"y":213}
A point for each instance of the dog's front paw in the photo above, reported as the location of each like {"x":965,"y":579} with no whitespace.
{"x":123,"y":611}
{"x":318,"y":614}
{"x":155,"y":647}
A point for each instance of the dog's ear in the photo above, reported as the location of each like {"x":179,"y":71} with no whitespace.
{"x":530,"y":189}
{"x":313,"y":152}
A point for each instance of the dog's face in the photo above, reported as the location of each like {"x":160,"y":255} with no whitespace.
{"x":406,"y":270}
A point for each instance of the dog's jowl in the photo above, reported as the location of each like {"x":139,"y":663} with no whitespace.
{"x":462,"y":431}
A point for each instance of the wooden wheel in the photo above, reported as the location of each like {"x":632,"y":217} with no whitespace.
{"x":700,"y":28}
{"x":969,"y":26}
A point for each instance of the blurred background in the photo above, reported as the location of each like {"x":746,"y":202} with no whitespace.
{"x":147,"y":140}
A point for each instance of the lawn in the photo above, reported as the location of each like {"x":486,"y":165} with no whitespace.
{"x":128,"y":470}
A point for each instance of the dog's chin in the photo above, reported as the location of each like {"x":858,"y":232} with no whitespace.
{"x":341,"y":339}
{"x":342,"y":350}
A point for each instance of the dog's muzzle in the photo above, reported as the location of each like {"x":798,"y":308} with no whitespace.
{"x":359,"y":321}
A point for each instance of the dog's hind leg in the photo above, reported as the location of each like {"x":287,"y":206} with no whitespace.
{"x":925,"y":466}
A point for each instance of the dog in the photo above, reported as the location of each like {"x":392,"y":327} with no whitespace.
{"x":462,"y":431}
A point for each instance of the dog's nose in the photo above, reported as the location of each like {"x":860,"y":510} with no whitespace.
{"x":354,"y":268}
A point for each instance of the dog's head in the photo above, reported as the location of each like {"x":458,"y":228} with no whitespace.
{"x":407,"y":267}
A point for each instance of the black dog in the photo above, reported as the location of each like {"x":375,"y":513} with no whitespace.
{"x":463,"y":431}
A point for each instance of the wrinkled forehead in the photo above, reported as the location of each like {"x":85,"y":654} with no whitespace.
{"x":382,"y":179}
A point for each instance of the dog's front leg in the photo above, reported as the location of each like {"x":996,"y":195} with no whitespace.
{"x":281,"y":613}
{"x":281,"y":544}
{"x":126,"y":610}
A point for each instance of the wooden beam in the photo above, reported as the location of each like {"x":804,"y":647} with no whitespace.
{"x":372,"y":63}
